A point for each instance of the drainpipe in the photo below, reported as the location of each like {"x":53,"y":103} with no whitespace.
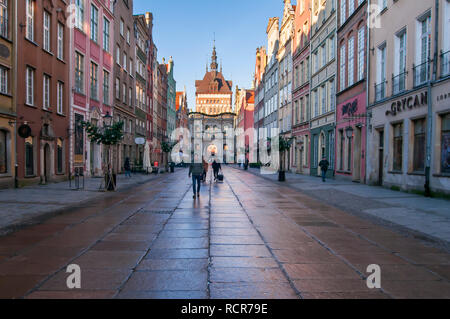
{"x":368,"y":119}
{"x":430,"y":109}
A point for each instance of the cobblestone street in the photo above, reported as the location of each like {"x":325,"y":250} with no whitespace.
{"x":245,"y":238}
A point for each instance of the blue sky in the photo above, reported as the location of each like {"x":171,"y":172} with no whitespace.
{"x":185,"y":30}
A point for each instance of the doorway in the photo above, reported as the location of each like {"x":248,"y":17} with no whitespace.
{"x":47,"y":163}
{"x":381,"y":157}
{"x":357,"y":156}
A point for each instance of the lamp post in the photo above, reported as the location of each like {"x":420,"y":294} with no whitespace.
{"x":110,"y":182}
{"x":349,"y":132}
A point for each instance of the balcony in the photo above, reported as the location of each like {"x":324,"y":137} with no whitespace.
{"x":421,"y":73}
{"x":399,"y":83}
{"x":445,"y":64}
{"x":380,"y":91}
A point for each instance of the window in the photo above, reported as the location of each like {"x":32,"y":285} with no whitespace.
{"x":332,"y":94}
{"x":79,"y":73}
{"x":445,"y":144}
{"x":130,"y":97}
{"x":30,"y":86}
{"x":128,"y":36}
{"x":331,"y":48}
{"x":402,"y":53}
{"x":121,"y":27}
{"x":46,"y":31}
{"x":351,"y":61}
{"x":316,"y":103}
{"x":60,"y":49}
{"x":342,"y":69}
{"x":117,"y":88}
{"x":361,"y":52}
{"x":60,"y":98}
{"x":118,"y":55}
{"x":351,"y":7}
{"x":307,"y":108}
{"x":398,"y":147}
{"x":59,"y":156}
{"x":4,"y":18}
{"x":106,"y":87}
{"x":29,"y":158}
{"x":4,"y":80}
{"x":324,"y":54}
{"x":124,"y":92}
{"x":343,"y":11}
{"x":30,"y":20}
{"x":94,"y":81}
{"x":323,"y":101}
{"x":125,"y":61}
{"x":106,"y":34}
{"x":383,"y":4}
{"x":3,"y":152}
{"x":46,"y":93}
{"x":94,"y":23}
{"x":79,"y":22}
{"x":419,"y":145}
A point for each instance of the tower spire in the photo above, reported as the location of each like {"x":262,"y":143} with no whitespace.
{"x":214,"y":65}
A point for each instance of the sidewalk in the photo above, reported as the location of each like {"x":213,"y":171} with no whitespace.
{"x":30,"y":205}
{"x":410,"y":213}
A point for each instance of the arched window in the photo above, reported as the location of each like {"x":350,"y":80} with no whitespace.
{"x":3,"y":152}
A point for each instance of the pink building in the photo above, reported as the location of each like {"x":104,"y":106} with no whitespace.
{"x":91,"y":80}
{"x":300,"y":159}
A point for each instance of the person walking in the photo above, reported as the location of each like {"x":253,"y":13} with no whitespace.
{"x":216,"y":167}
{"x":196,"y":171}
{"x":205,"y":170}
{"x":127,"y":167}
{"x":324,"y":164}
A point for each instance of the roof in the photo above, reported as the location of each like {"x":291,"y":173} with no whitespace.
{"x":213,"y":82}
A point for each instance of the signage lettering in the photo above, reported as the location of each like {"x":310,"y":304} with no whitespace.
{"x":408,"y":103}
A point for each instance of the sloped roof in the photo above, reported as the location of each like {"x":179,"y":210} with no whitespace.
{"x":213,"y":82}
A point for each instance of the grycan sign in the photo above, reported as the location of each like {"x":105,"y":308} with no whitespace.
{"x":408,"y":103}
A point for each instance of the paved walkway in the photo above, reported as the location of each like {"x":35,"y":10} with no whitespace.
{"x":33,"y":204}
{"x":426,"y":218}
{"x":244,"y":238}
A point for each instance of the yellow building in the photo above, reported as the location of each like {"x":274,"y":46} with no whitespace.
{"x":7,"y":100}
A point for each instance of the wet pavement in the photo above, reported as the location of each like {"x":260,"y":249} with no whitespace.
{"x":245,"y":238}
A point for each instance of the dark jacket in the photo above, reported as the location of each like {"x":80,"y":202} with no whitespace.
{"x":196,"y":169}
{"x":126,"y":166}
{"x":216,"y":166}
{"x":324,"y":164}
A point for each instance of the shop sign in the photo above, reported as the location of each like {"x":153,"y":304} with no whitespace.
{"x":408,"y":103}
{"x":350,"y":108}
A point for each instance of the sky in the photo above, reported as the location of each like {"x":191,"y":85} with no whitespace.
{"x":185,"y":30}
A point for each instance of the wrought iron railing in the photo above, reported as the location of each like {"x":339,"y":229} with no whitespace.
{"x":380,"y":91}
{"x":445,"y":64}
{"x":399,"y":83}
{"x":421,"y":73}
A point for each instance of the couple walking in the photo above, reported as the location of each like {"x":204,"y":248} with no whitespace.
{"x":198,"y":170}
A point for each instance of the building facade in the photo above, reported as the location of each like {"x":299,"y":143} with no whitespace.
{"x":300,"y":88}
{"x":171,"y":99}
{"x":43,"y":66}
{"x":8,"y":119}
{"x":259,"y":86}
{"x":351,"y":120}
{"x":323,"y":84}
{"x":161,"y":104}
{"x":284,"y":57}
{"x":91,"y":49}
{"x":142,"y":37}
{"x":408,"y":97}
{"x":124,"y":80}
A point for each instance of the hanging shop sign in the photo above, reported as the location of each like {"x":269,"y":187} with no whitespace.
{"x":24,"y":131}
{"x":408,"y":103}
{"x":139,"y":140}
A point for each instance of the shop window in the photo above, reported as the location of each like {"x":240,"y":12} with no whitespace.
{"x":29,"y":157}
{"x":445,"y":144}
{"x":3,"y":152}
{"x":419,"y":145}
{"x":341,"y":150}
{"x":398,"y":147}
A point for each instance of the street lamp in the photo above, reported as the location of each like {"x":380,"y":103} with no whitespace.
{"x":107,"y":119}
{"x":349,"y":132}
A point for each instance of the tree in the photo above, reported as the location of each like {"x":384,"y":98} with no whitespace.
{"x":109,"y":135}
{"x":284,"y":146}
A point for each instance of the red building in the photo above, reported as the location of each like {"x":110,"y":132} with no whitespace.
{"x":300,"y":89}
{"x":43,"y":90}
{"x":258,"y":84}
{"x":244,"y":124}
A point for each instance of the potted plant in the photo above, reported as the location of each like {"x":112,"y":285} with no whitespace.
{"x":284,"y":146}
